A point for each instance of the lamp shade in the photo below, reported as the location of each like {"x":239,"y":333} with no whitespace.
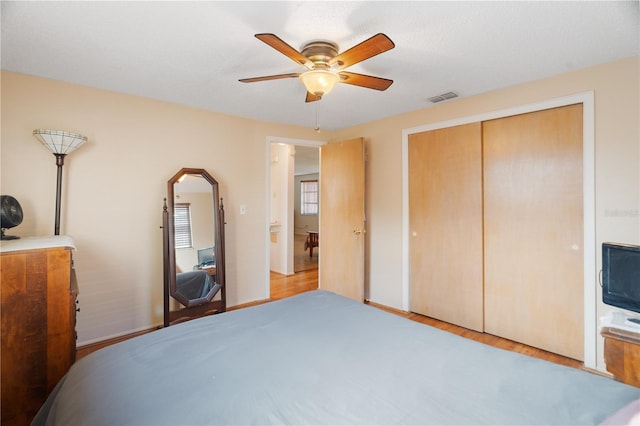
{"x":319,"y":82}
{"x":59,"y":142}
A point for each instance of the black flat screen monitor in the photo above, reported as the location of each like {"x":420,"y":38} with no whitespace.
{"x":621,"y":275}
{"x":206,"y":257}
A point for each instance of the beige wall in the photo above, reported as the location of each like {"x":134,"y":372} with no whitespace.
{"x":114,"y":187}
{"x":136,"y":144}
{"x":617,"y":163}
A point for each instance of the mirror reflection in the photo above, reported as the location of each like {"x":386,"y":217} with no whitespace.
{"x":194,"y":220}
{"x":194,"y":270}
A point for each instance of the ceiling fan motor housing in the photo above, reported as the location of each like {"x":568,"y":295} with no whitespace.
{"x":320,"y":53}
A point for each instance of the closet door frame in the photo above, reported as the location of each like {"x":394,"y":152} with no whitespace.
{"x":588,"y":189}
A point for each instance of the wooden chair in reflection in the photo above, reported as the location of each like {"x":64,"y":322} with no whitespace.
{"x":311,"y":242}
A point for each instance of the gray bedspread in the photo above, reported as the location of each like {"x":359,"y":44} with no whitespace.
{"x":193,"y":285}
{"x":319,"y":358}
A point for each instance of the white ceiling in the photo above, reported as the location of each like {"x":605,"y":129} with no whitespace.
{"x":193,"y":53}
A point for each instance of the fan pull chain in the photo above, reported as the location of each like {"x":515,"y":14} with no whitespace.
{"x":317,"y":128}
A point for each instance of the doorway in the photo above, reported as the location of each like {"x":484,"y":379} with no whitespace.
{"x":341,"y":210}
{"x":306,"y":250}
{"x":291,"y":161}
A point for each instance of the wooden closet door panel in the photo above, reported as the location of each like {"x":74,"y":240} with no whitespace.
{"x":445,"y":225}
{"x":533,"y":229}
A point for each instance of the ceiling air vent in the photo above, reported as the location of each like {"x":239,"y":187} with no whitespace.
{"x":443,"y":97}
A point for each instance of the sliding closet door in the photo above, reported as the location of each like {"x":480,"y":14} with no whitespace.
{"x":533,"y":229}
{"x":445,"y":224}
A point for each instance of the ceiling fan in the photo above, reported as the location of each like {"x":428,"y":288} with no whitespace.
{"x":325,"y":64}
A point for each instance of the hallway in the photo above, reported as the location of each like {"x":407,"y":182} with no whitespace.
{"x":301,"y":259}
{"x":305,"y":277}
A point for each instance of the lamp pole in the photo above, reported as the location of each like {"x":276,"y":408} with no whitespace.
{"x":59,"y":163}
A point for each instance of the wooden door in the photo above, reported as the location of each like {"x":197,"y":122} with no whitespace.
{"x":533,"y":229}
{"x":342,"y":220}
{"x":445,"y":225}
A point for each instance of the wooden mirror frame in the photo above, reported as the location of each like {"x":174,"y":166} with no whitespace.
{"x":196,"y":307}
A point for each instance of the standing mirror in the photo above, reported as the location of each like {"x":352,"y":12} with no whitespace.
{"x":193,"y":225}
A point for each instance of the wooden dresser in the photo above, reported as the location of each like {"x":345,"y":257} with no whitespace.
{"x":38,"y":317}
{"x":622,"y":354}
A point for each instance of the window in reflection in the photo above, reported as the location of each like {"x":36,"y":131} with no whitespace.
{"x":182,"y":219}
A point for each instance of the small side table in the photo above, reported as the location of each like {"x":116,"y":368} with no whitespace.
{"x":312,"y":241}
{"x":622,"y":354}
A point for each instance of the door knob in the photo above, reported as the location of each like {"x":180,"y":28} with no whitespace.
{"x":359,"y":231}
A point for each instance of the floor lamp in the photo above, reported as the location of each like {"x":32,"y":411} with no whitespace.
{"x":60,"y":144}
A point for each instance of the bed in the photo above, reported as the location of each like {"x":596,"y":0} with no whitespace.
{"x":319,"y":358}
{"x":194,"y":286}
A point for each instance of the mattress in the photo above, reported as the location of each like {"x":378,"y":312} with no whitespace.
{"x":319,"y":358}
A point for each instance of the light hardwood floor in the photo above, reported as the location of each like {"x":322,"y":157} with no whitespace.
{"x":303,"y":260}
{"x":288,"y":285}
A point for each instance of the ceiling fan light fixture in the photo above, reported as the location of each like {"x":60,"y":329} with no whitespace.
{"x":319,"y":82}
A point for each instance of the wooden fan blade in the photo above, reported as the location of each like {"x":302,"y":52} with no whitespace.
{"x":269,"y":77}
{"x":282,"y":47}
{"x":369,"y":48}
{"x":311,"y":97}
{"x":367,"y":81}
